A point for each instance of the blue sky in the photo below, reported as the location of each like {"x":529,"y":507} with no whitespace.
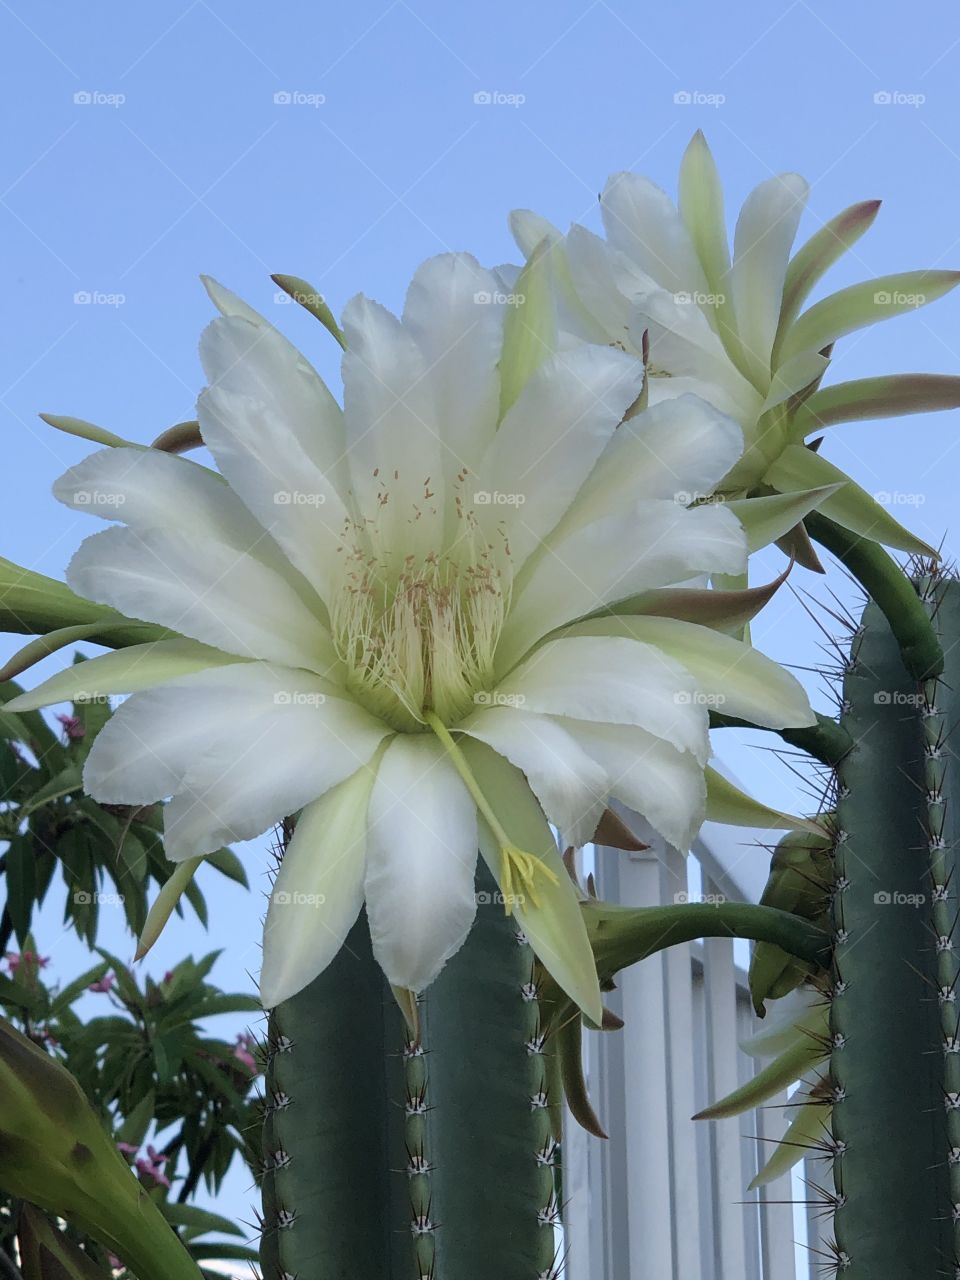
{"x":146,"y":144}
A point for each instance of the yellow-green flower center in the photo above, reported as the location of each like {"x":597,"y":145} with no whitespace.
{"x":420,"y":635}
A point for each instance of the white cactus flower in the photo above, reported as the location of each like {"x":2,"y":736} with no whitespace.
{"x":731,"y":327}
{"x":435,"y":619}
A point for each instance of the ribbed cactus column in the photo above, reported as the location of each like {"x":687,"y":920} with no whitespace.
{"x":939,"y":710}
{"x":892,"y":1218}
{"x":389,"y":1158}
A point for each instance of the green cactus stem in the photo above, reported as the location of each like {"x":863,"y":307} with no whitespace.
{"x":892,"y":1214}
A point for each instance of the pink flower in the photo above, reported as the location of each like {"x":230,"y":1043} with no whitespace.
{"x":73,"y":727}
{"x":152,"y":1167}
{"x":243,"y":1052}
{"x":14,"y":960}
{"x":127,"y":1148}
{"x":104,"y":984}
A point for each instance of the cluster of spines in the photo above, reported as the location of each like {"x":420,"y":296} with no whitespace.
{"x":546,"y":1152}
{"x":416,"y":1108}
{"x":944,"y":908}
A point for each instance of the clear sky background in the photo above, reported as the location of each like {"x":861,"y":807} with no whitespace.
{"x":183,"y":159}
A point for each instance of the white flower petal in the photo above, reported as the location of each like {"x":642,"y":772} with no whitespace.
{"x":679,"y":449}
{"x":277,"y":436}
{"x":612,"y":679}
{"x":212,"y":593}
{"x":570,"y":786}
{"x":529,"y":228}
{"x":656,"y":545}
{"x":150,"y":489}
{"x":453,"y":313}
{"x":248,"y":357}
{"x":239,"y":747}
{"x":606,"y":280}
{"x":731,"y":675}
{"x":642,"y":221}
{"x":550,"y":439}
{"x":318,"y":892}
{"x":663,"y":784}
{"x":765,"y":233}
{"x":421,"y":861}
{"x":396,"y":455}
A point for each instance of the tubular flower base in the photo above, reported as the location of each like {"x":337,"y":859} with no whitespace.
{"x":440,"y":617}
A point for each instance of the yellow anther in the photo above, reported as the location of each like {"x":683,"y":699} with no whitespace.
{"x":518,"y":876}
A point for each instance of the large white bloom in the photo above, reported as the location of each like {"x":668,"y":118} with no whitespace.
{"x":731,"y":326}
{"x":379,"y":615}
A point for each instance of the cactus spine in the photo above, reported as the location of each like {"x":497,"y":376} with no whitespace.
{"x":388,"y":1156}
{"x":894,"y":1069}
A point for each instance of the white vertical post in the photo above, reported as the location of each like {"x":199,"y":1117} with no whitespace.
{"x":779,"y":1233}
{"x":721,"y":1000}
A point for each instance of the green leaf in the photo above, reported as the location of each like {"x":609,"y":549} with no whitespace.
{"x":809,"y":1127}
{"x":885,"y":397}
{"x":31,"y":603}
{"x":21,"y":885}
{"x":63,"y":784}
{"x":200,"y":1221}
{"x":139,"y":666}
{"x":768,"y":518}
{"x":166,"y":900}
{"x":86,"y":430}
{"x":813,"y":259}
{"x":864,"y":304}
{"x":229,"y":865}
{"x":727,"y":804}
{"x":43,"y":646}
{"x":137,"y":1122}
{"x":73,"y":990}
{"x":313,"y":301}
{"x":778,"y":1075}
{"x":798,"y":467}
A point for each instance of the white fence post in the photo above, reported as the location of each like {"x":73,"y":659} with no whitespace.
{"x":665,"y":1198}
